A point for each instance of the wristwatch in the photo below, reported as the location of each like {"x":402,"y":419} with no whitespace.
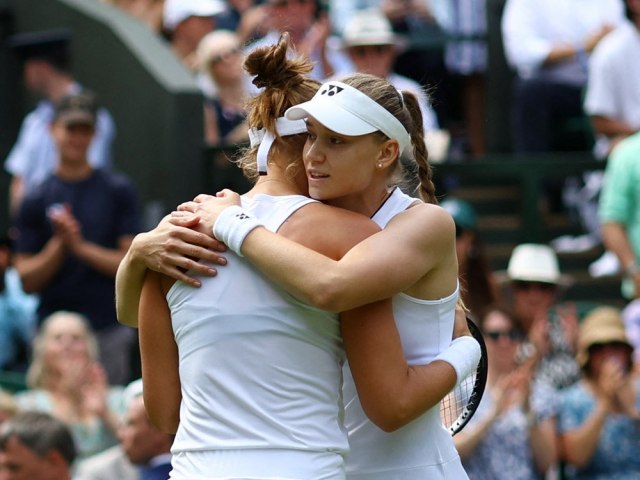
{"x":632,"y":269}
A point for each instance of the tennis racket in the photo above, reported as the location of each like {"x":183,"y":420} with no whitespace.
{"x":457,"y":408}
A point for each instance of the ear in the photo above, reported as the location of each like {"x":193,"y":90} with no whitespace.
{"x":389,"y":153}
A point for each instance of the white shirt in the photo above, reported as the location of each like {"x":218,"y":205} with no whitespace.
{"x":531,"y":29}
{"x":613,"y":88}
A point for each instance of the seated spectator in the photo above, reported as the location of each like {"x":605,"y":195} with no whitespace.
{"x":73,"y":230}
{"x":309,"y":30}
{"x":17,"y":314}
{"x":613,"y":91}
{"x":46,"y":63}
{"x":185,"y":22}
{"x":598,"y":416}
{"x":550,"y":327}
{"x":247,"y":18}
{"x":548,"y":44}
{"x":35,"y":446}
{"x":477,"y":281}
{"x":372,"y":47}
{"x":511,"y":434}
{"x":66,"y":380}
{"x":143,"y":443}
{"x":220,"y":58}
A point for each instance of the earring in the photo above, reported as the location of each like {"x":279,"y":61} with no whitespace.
{"x":380,"y":165}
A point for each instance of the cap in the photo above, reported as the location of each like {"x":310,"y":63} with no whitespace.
{"x":347,"y":111}
{"x":77,"y":109}
{"x":533,"y":263}
{"x":601,"y":326}
{"x":49,"y":45}
{"x":369,"y":27}
{"x":177,"y":11}
{"x":462,"y":212}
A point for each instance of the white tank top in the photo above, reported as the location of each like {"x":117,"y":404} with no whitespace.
{"x":423,"y":449}
{"x":260,"y":374}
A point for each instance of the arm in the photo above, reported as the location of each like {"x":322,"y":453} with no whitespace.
{"x":611,"y":127}
{"x":37,"y":270}
{"x":171,"y":249}
{"x":421,"y":240}
{"x":159,"y":355}
{"x":614,"y":237}
{"x":391,"y":392}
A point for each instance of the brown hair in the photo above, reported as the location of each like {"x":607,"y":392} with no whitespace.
{"x":404,"y":106}
{"x":284,"y":83}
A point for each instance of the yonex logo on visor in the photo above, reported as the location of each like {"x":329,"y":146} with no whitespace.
{"x":347,"y":111}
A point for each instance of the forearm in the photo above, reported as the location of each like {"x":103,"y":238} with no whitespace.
{"x":560,"y":53}
{"x":129,"y":281}
{"x":37,"y":271}
{"x":543,"y":444}
{"x":611,"y":127}
{"x":468,"y":440}
{"x":580,"y":444}
{"x":102,"y":259}
{"x":614,"y":237}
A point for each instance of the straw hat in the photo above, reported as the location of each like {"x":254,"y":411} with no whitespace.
{"x":602,"y":325}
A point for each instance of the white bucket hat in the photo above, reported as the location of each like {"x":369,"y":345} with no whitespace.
{"x":347,"y":111}
{"x":369,"y":27}
{"x":532,"y":262}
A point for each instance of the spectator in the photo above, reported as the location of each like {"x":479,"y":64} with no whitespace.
{"x":613,"y":91}
{"x":598,"y":416}
{"x":35,"y":446}
{"x":551,"y":328}
{"x":143,"y":443}
{"x":185,"y":22}
{"x":372,"y":47}
{"x":73,"y":230}
{"x":17,"y":314}
{"x":512,"y":433}
{"x":220,"y":59}
{"x":466,"y":60}
{"x":618,"y":212}
{"x":248,"y":18}
{"x":548,"y":44}
{"x":309,"y":30}
{"x":66,"y":380}
{"x":46,"y":61}
{"x":8,"y":407}
{"x":477,"y":281}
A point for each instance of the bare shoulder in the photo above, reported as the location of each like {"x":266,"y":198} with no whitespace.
{"x":425,"y":218}
{"x":329,"y":230}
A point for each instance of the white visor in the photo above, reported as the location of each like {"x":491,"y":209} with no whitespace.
{"x":347,"y":111}
{"x":265,"y":139}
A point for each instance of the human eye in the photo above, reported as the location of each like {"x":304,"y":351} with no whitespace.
{"x":336,"y":140}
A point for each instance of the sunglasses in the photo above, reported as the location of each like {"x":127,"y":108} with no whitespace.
{"x":495,"y":335}
{"x":221,"y":57}
{"x":365,"y":50}
{"x":526,"y":286}
{"x":286,"y":3}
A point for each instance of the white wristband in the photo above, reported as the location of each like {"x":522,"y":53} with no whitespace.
{"x":463,"y":355}
{"x":232,"y":227}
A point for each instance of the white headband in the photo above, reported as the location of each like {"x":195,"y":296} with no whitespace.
{"x":347,"y":111}
{"x":265,"y":139}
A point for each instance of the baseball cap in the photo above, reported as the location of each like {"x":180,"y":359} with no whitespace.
{"x":369,"y":27}
{"x":347,"y":111}
{"x":177,"y":11}
{"x":76,"y":109}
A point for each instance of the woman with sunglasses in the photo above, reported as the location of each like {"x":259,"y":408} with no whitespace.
{"x":276,"y":413}
{"x":511,"y":434}
{"x":358,"y":127}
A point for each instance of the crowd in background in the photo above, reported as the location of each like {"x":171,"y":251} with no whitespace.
{"x":562,"y":394}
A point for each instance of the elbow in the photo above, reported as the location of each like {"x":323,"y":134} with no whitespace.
{"x":390,"y":417}
{"x":328,"y":296}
